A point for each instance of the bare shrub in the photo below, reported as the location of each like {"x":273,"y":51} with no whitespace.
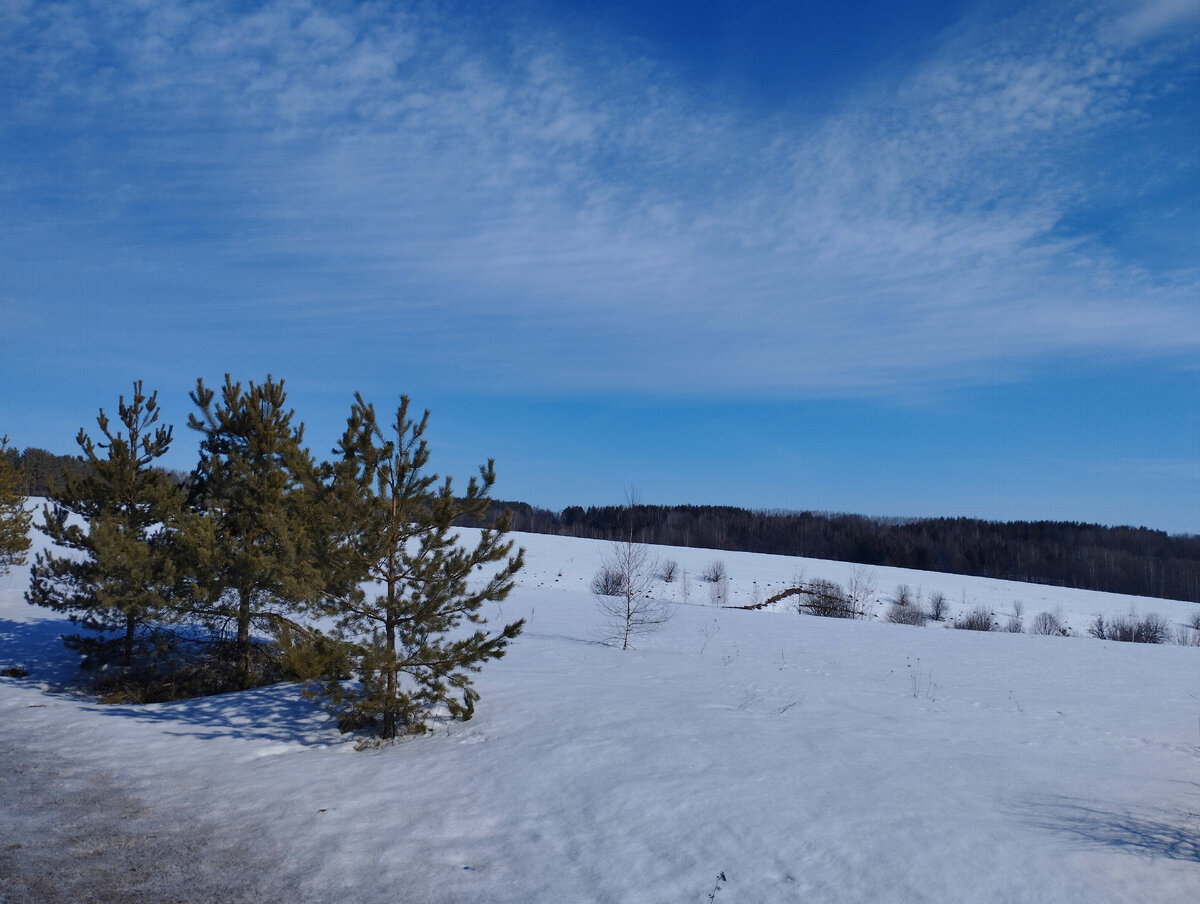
{"x":904,"y":595}
{"x":978,"y":619}
{"x":608,"y":581}
{"x":1150,"y":628}
{"x":828,"y":600}
{"x":1047,"y":623}
{"x":670,"y":571}
{"x":1153,"y":628}
{"x":1189,"y":634}
{"x":718,"y":591}
{"x":714,"y":572}
{"x":861,"y":589}
{"x":803,"y":601}
{"x":1014,"y":625}
{"x":938,"y":606}
{"x":905,"y":615}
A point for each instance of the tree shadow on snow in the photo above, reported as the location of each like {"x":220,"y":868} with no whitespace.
{"x":36,"y":647}
{"x":584,"y":641}
{"x":276,"y":713}
{"x":1172,"y":835}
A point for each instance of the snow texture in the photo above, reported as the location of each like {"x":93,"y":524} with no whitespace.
{"x":807,"y":759}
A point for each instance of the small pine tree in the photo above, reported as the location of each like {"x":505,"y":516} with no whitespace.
{"x":122,"y":517}
{"x":253,"y":549}
{"x":404,"y":643}
{"x":15,"y":518}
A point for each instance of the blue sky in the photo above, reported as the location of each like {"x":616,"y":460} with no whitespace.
{"x":942,"y":259}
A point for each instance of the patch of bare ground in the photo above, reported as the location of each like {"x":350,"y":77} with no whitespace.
{"x":72,"y":835}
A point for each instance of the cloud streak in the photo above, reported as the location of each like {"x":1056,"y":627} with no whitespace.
{"x":417,"y":169}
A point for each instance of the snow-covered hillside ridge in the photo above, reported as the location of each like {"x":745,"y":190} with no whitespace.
{"x":806,"y":759}
{"x":570,"y":564}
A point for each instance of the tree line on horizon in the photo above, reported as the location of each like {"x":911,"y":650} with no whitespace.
{"x":1127,"y":560}
{"x":1130,"y":560}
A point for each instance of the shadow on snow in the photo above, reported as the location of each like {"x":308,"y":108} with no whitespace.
{"x":276,"y":713}
{"x":36,"y":646}
{"x":1171,"y":835}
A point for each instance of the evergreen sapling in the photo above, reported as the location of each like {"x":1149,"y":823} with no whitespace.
{"x":15,"y":519}
{"x":404,"y":639}
{"x":256,"y":550}
{"x":122,"y":519}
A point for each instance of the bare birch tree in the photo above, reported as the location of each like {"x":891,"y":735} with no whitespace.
{"x":629,"y":606}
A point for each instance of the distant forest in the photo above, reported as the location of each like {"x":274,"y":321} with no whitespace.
{"x":42,"y":469}
{"x":1089,"y":556}
{"x":1128,"y":560}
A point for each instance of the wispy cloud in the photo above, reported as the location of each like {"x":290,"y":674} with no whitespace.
{"x":583,"y":208}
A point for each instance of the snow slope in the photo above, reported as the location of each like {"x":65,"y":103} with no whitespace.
{"x":806,"y":759}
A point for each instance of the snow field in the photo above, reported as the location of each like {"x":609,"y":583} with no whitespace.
{"x":808,"y":759}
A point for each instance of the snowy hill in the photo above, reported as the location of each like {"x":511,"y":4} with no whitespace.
{"x":806,"y":759}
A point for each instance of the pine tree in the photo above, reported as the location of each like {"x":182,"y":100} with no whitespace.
{"x":15,"y":518}
{"x":253,"y":549}
{"x":404,"y":642}
{"x":121,"y":519}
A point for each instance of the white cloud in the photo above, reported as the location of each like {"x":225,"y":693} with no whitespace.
{"x":613,"y":225}
{"x":1144,"y":18}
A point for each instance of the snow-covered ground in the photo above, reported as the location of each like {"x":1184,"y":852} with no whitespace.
{"x":806,"y":759}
